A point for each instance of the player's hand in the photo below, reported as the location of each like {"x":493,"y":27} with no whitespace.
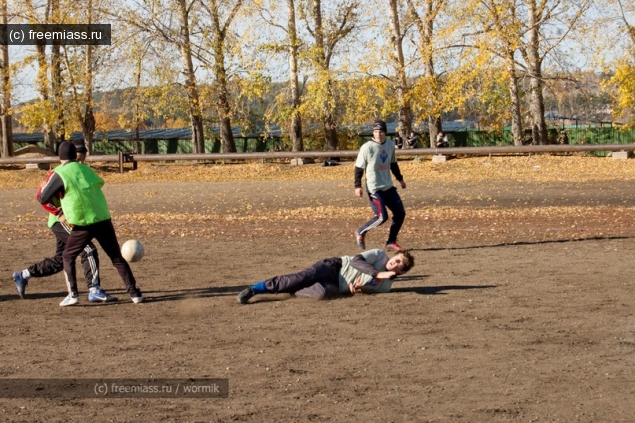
{"x":358,"y":192}
{"x":355,"y":287}
{"x":61,"y":218}
{"x":385,"y":275}
{"x":403,"y":184}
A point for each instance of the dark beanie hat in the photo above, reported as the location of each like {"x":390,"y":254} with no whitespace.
{"x":67,"y":151}
{"x":379,"y":124}
{"x":80,"y":146}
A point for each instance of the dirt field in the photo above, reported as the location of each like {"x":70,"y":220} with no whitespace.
{"x":520,"y":307}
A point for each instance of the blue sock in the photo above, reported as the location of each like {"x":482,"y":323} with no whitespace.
{"x":259,"y":288}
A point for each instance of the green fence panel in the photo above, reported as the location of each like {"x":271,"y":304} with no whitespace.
{"x":557,"y":135}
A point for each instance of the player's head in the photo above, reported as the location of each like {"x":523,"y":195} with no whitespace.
{"x":379,"y":131}
{"x":81,"y":149}
{"x":67,"y":152}
{"x":401,"y":263}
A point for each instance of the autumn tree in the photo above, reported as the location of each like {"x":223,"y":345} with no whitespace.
{"x":499,"y":35}
{"x":6,"y":129}
{"x":286,"y":107}
{"x":46,"y":113}
{"x":293,"y":46}
{"x":80,"y":63}
{"x":435,"y":93}
{"x":217,"y":30}
{"x":185,"y":47}
{"x":65,"y":73}
{"x":327,"y":31}
{"x":170,"y":22}
{"x":133,"y":118}
{"x":623,"y":79}
{"x":547,"y":24}
{"x":404,"y":111}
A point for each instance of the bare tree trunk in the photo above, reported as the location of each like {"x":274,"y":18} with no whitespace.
{"x":137,"y":105}
{"x":328,"y":119}
{"x":517,"y":127}
{"x":56,"y":79}
{"x":536,"y":100}
{"x":50,"y":139}
{"x":425,"y":25}
{"x":6,"y":128}
{"x":196,"y":116}
{"x":499,"y":15}
{"x":56,"y":86}
{"x":88,"y":119}
{"x":296,"y":119}
{"x":222,"y":103}
{"x":434,"y":121}
{"x":42,"y":78}
{"x":404,"y":111}
{"x":223,"y":97}
{"x":88,"y":128}
{"x":434,"y":127}
{"x":330,"y":132}
{"x":83,"y":101}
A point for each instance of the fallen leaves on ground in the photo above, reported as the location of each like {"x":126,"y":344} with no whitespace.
{"x":469,"y":222}
{"x":536,"y":168}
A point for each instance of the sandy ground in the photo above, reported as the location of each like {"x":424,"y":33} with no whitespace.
{"x":520,"y":307}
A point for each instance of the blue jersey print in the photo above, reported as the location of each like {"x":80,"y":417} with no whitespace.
{"x":383,"y":156}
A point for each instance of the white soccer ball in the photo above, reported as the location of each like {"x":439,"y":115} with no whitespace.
{"x":132,"y":250}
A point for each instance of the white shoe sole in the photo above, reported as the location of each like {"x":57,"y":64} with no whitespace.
{"x":69,"y":303}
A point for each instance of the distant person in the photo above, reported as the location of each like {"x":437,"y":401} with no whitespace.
{"x":85,"y":210}
{"x":412,"y":141}
{"x":398,"y":142}
{"x":53,"y":265}
{"x":377,"y":158}
{"x":369,"y":272}
{"x":442,"y":140}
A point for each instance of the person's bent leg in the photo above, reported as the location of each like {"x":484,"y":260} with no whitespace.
{"x":394,"y":203}
{"x":52,"y":265}
{"x":327,"y":269}
{"x":324,"y":270}
{"x":107,"y":238}
{"x":381,"y":216}
{"x":90,"y":264}
{"x":45,"y":267}
{"x":319,"y":291}
{"x":77,"y":240}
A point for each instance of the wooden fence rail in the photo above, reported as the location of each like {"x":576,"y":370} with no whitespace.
{"x":122,"y":158}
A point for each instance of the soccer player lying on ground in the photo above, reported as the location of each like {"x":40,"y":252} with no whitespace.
{"x":369,"y":272}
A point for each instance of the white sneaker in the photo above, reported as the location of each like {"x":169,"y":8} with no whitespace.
{"x":137,"y":300}
{"x":70,"y":300}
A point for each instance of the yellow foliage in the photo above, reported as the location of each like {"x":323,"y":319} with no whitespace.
{"x":176,"y":123}
{"x":37,"y":115}
{"x":106,"y":122}
{"x":624,"y":81}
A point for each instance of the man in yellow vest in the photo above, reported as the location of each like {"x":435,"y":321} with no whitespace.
{"x":53,"y":265}
{"x":85,"y":210}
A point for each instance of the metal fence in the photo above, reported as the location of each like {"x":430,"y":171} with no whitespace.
{"x":565,"y":135}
